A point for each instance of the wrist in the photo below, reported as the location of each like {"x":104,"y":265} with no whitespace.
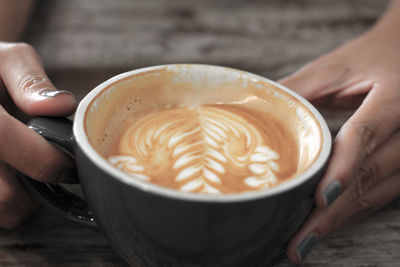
{"x":387,"y":27}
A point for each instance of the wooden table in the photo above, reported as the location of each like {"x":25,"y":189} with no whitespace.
{"x":85,"y":42}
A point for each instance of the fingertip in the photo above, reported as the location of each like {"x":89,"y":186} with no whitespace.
{"x":305,"y":239}
{"x":302,"y":83}
{"x":292,"y":255}
{"x":301,"y":246}
{"x":288,"y":81}
{"x":305,"y":246}
{"x":51,"y":103}
{"x":291,"y":250}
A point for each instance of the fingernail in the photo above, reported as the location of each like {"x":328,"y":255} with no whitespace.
{"x":53,"y":93}
{"x":306,"y":245}
{"x":331,"y":192}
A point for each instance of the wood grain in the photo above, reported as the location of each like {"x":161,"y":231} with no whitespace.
{"x":85,"y":42}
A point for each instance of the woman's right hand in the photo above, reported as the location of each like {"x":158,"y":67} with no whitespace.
{"x":363,"y":173}
{"x":25,"y":85}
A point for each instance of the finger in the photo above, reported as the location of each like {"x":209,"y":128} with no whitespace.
{"x":336,"y":103}
{"x":376,"y":198}
{"x":376,"y":119}
{"x":349,"y":97}
{"x":15,"y":202}
{"x":319,"y":78}
{"x":28,"y":84}
{"x":383,"y":163}
{"x":27,"y":151}
{"x":331,"y":91}
{"x":323,"y":221}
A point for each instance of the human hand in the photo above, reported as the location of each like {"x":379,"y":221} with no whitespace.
{"x":24,"y":83}
{"x":363,"y":172}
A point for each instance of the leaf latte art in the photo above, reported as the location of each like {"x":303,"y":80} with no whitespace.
{"x":206,"y":149}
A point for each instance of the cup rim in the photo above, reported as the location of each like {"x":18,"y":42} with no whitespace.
{"x":83,"y":142}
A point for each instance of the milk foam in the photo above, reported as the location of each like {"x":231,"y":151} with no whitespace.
{"x":205,"y":149}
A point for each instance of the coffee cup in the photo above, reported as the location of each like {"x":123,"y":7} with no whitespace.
{"x":190,"y":165}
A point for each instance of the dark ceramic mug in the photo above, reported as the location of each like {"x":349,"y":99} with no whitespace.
{"x":150,"y":225}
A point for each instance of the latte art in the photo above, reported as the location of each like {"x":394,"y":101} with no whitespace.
{"x":207,"y":149}
{"x":203,"y":129}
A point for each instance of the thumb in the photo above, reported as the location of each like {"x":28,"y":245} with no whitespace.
{"x":28,"y":84}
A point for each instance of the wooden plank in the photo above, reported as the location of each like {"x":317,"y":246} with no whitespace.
{"x":48,"y":240}
{"x":271,"y":38}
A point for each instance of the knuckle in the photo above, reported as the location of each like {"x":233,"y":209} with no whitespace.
{"x":330,"y":222}
{"x":361,"y":209}
{"x":365,"y":132}
{"x":365,"y":179}
{"x":41,"y":171}
{"x":32,"y":82}
{"x":16,"y":48}
{"x":8,"y":199}
{"x":15,"y":203}
{"x":11,"y":49}
{"x":20,"y":48}
{"x":11,"y":223}
{"x":12,"y":220}
{"x":14,"y":207}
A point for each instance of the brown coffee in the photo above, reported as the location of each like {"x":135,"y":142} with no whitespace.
{"x":227,"y":137}
{"x":206,"y":149}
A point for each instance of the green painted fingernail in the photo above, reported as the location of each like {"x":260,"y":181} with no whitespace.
{"x":331,"y":192}
{"x":306,"y":245}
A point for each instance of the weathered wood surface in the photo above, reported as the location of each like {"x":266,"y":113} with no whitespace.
{"x":85,"y":42}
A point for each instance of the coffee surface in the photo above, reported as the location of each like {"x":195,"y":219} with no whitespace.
{"x":212,"y":149}
{"x":203,"y":129}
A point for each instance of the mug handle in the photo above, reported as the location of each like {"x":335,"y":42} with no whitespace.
{"x":58,"y":131}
